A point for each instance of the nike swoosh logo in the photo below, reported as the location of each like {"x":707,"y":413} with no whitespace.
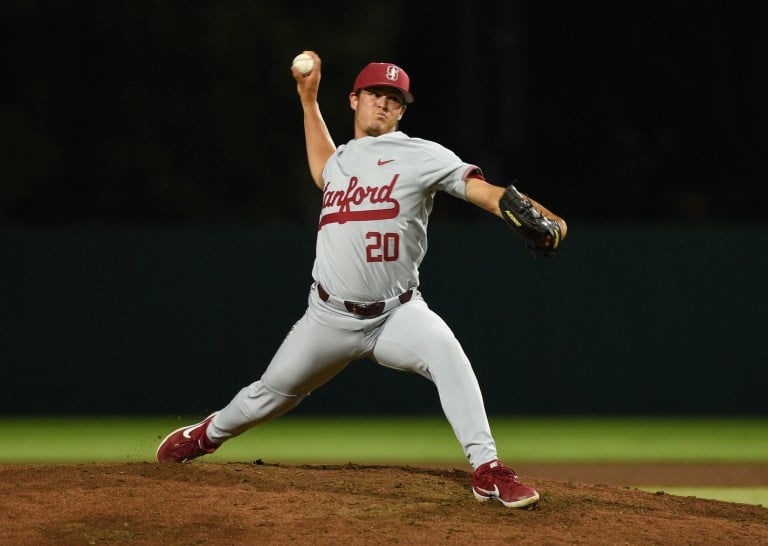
{"x":188,"y":432}
{"x":493,"y":493}
{"x":380,"y":162}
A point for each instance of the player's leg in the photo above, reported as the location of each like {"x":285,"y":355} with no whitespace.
{"x":416,"y":339}
{"x":317,"y":348}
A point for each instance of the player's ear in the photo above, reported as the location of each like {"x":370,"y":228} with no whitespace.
{"x":402,"y":112}
{"x":354,"y":98}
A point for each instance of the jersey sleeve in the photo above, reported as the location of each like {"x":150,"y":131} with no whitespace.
{"x":443,"y":170}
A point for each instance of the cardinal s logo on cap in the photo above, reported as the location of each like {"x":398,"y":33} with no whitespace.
{"x":387,"y":74}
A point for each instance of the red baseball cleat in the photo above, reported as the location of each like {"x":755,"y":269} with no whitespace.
{"x":493,"y":480}
{"x":186,"y":443}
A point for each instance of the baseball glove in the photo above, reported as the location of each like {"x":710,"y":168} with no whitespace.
{"x":540,"y":234}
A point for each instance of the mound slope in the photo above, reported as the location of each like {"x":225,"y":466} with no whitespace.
{"x":238,"y":503}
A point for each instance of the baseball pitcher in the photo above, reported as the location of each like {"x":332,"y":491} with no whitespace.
{"x":378,"y":190}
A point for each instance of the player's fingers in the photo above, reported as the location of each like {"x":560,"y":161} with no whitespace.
{"x":315,"y":58}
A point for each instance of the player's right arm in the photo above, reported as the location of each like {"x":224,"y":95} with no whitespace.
{"x":318,"y":139}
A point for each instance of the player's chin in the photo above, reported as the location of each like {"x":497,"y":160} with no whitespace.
{"x":375,"y":130}
{"x":379,"y":128}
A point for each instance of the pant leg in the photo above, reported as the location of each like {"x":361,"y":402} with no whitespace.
{"x":318,"y":347}
{"x":416,"y":339}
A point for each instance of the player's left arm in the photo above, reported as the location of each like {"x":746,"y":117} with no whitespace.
{"x":487,"y":196}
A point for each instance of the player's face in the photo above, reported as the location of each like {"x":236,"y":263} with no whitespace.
{"x":377,"y":110}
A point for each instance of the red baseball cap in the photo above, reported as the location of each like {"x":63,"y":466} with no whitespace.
{"x":386,"y":74}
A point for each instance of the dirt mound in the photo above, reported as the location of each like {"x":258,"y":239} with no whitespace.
{"x":206,"y":503}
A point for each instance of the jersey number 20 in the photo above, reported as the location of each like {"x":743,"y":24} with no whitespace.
{"x":382,"y":246}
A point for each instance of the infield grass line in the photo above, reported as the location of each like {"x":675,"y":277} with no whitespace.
{"x":742,"y":495}
{"x":396,"y":439}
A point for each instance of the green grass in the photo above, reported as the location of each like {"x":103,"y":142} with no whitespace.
{"x":634,"y":439}
{"x":743,"y":495}
{"x":408,"y":440}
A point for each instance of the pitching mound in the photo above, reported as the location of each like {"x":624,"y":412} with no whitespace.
{"x":205,"y":503}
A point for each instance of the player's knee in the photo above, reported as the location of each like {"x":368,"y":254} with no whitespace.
{"x":266,"y":402}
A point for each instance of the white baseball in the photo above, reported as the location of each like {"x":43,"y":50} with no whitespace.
{"x":303,"y":63}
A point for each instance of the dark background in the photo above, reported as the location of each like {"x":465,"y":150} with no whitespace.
{"x":631,"y":320}
{"x":186,"y":112}
{"x":157,"y":218}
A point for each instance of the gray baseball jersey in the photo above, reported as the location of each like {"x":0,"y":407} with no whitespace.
{"x":372,"y":233}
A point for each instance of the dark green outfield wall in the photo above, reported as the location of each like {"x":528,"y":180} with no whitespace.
{"x":626,"y":320}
